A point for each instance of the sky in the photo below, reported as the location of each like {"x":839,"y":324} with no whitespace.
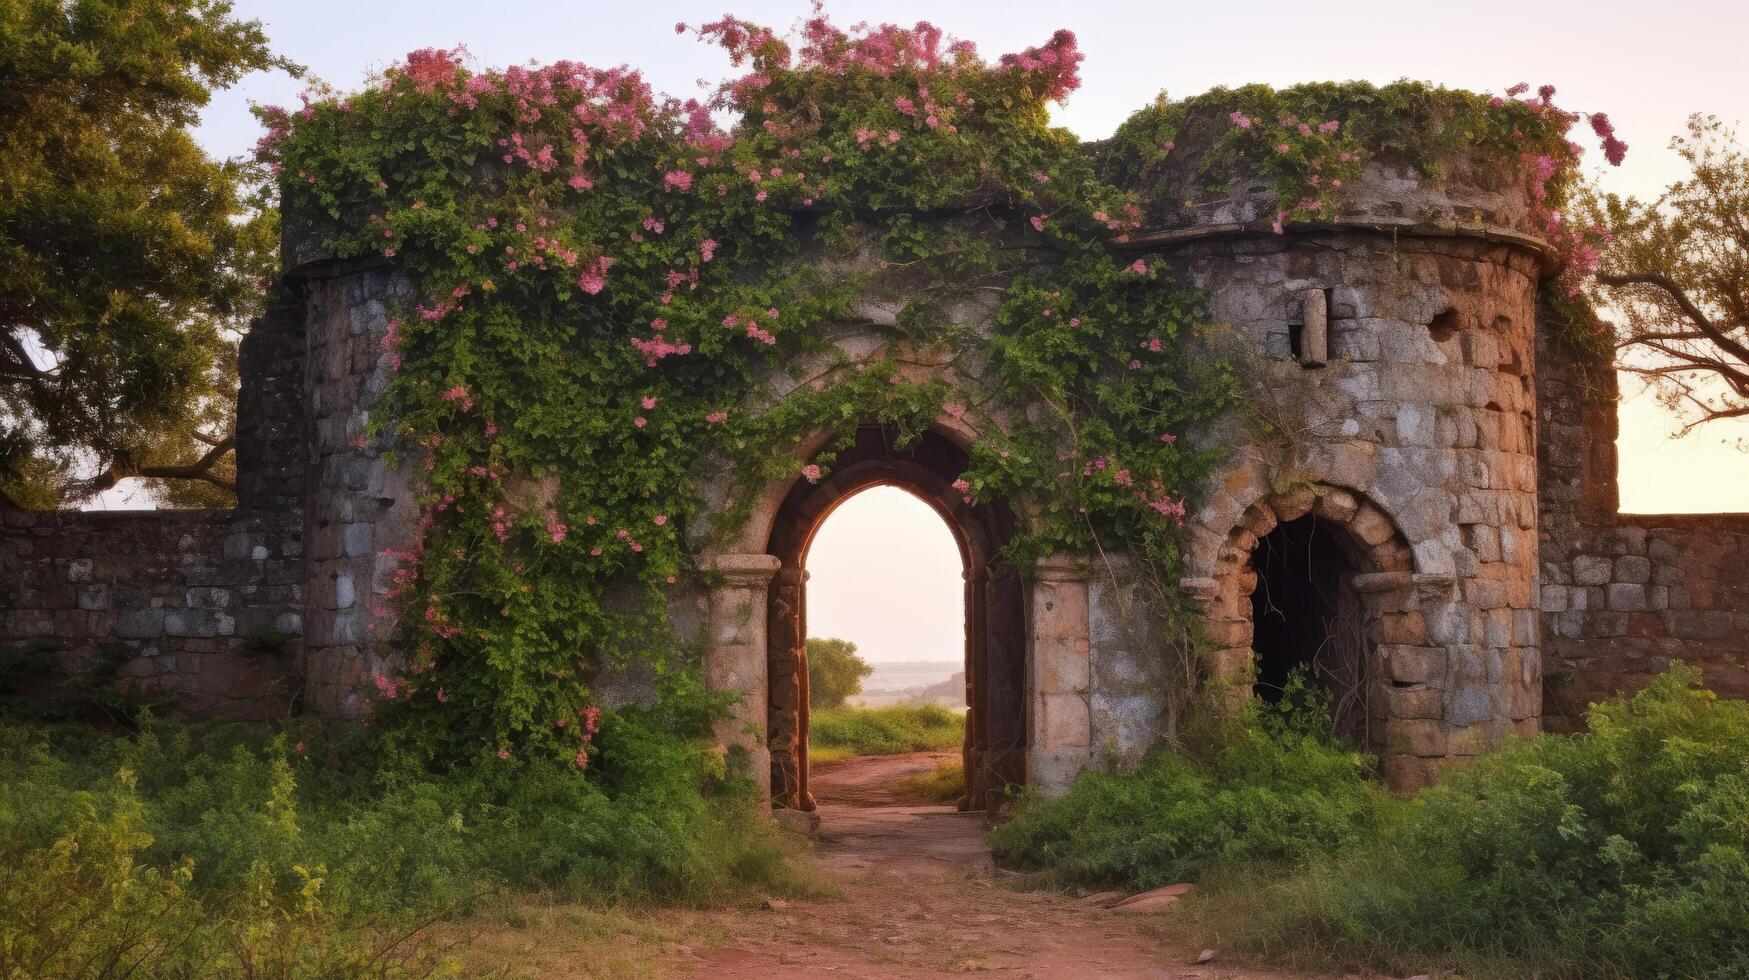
{"x":1647,"y":65}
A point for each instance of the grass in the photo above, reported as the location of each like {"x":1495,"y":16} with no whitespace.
{"x":1617,"y":854}
{"x":546,"y":935}
{"x":946,"y":783}
{"x":229,"y":850}
{"x":825,"y":756}
{"x":838,"y":733}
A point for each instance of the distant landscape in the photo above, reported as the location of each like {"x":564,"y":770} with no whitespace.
{"x":914,"y":682}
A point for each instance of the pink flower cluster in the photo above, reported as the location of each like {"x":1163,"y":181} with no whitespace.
{"x":390,"y":688}
{"x":432,"y":68}
{"x":1054,"y":65}
{"x":1614,"y":150}
{"x":591,"y":718}
{"x":594,"y":276}
{"x":459,"y":393}
{"x":751,"y":326}
{"x":658,"y":347}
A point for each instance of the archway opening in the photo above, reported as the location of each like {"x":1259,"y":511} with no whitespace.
{"x":1308,"y":620}
{"x":885,"y":593}
{"x":990,"y":637}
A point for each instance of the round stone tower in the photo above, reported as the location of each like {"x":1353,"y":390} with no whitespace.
{"x":1377,"y":519}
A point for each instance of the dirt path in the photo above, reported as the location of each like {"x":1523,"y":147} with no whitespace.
{"x":921,"y":898}
{"x":867,"y":780}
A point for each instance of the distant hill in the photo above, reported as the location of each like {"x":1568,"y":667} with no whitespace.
{"x":914,"y":682}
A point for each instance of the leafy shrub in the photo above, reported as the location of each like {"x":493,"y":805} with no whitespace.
{"x":835,"y":672}
{"x":1277,"y":790}
{"x":1620,"y":852}
{"x":230,"y":849}
{"x":886,"y":731}
{"x":79,"y":897}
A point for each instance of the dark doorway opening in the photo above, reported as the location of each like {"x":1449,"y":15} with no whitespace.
{"x":1306,"y":617}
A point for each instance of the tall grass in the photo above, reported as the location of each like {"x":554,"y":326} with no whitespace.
{"x":227,"y":851}
{"x":1276,"y":789}
{"x":1619,"y":853}
{"x":835,"y":733}
{"x":945,"y":783}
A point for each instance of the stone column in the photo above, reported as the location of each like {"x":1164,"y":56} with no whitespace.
{"x":1060,"y":727}
{"x":736,"y":659}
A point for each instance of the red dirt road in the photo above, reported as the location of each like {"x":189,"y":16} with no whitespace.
{"x":921,"y":898}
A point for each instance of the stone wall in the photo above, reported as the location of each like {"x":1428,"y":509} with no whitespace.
{"x":200,"y":607}
{"x":1419,"y":413}
{"x":162,"y":598}
{"x":1624,"y":595}
{"x":361,"y":511}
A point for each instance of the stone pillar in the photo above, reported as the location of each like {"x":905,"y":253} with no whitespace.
{"x":1060,"y":726}
{"x":360,"y":513}
{"x":736,"y":658}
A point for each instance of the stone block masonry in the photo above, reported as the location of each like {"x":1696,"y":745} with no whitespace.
{"x":203,"y":607}
{"x":181,"y":605}
{"x":1624,"y":596}
{"x":1414,"y":406}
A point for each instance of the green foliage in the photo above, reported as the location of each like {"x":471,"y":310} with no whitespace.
{"x":81,"y":895}
{"x":124,"y":252}
{"x":603,"y":283}
{"x":221,"y":842}
{"x":943,"y":784}
{"x":886,"y":731}
{"x":1621,"y":852}
{"x":835,"y":672}
{"x":1276,"y":790}
{"x":1288,"y":141}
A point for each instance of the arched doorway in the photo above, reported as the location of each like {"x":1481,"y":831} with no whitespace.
{"x":1308,"y":621}
{"x":1320,"y":578}
{"x":995,"y":610}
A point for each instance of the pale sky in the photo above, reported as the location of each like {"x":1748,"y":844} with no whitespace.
{"x":1647,"y":65}
{"x":884,"y":573}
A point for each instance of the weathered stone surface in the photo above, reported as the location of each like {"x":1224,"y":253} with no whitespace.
{"x":1445,"y":438}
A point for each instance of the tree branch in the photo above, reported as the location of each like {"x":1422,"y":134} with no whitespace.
{"x":1680,"y":298}
{"x":200,"y":469}
{"x":18,"y":364}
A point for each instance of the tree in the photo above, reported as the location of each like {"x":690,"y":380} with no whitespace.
{"x":835,"y":672}
{"x":129,"y":259}
{"x":1677,"y":275}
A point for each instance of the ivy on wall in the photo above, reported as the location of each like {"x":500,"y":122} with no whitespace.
{"x":604,"y":276}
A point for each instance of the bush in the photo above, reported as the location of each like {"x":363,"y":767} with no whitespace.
{"x":221,"y":842}
{"x":1277,"y":790}
{"x":885,"y":731}
{"x":79,"y":897}
{"x":1622,"y":852}
{"x":835,"y":672}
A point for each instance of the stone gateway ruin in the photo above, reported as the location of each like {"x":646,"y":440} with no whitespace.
{"x":1428,"y":519}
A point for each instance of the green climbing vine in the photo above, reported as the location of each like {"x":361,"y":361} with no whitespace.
{"x":606,"y":279}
